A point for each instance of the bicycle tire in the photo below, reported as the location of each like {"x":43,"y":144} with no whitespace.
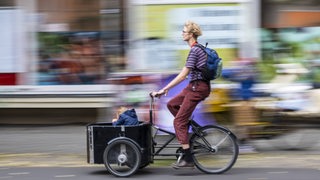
{"x":220,"y":155}
{"x":122,"y":158}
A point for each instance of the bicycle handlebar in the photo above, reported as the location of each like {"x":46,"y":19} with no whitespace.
{"x":153,"y":94}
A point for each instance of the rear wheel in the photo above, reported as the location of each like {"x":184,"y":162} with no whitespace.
{"x":215,"y":150}
{"x":122,"y":158}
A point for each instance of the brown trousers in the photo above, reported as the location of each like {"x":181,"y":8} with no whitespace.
{"x":182,"y":106}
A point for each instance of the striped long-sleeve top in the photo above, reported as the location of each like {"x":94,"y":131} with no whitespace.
{"x":196,"y":59}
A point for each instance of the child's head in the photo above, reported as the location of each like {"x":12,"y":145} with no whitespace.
{"x":121,"y":110}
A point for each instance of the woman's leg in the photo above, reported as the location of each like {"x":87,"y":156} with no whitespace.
{"x":175,"y":103}
{"x":181,"y":122}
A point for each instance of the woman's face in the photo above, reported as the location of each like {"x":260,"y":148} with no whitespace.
{"x":186,"y":35}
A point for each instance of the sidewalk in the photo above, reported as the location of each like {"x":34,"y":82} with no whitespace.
{"x":65,"y":146}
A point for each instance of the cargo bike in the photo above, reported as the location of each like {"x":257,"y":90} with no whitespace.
{"x":125,"y":149}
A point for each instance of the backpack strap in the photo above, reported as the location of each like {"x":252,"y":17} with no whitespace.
{"x":198,"y":69}
{"x":204,"y":49}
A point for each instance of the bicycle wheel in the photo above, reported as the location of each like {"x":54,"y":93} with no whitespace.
{"x":122,"y":158}
{"x":215,"y":150}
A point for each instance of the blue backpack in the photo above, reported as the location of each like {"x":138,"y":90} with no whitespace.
{"x":213,"y":68}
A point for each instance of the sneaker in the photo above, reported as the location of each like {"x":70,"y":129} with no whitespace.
{"x":182,"y":164}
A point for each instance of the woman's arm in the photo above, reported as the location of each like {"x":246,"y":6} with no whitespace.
{"x":179,"y":78}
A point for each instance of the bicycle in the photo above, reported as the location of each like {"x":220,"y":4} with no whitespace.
{"x":125,"y":149}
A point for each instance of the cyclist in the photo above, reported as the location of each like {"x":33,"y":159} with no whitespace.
{"x":183,"y":104}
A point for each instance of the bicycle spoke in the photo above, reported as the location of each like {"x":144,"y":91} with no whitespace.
{"x":222,"y":140}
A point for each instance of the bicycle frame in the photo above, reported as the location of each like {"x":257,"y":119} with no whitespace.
{"x":194,"y":127}
{"x":157,"y":129}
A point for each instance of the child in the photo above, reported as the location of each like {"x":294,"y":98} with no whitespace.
{"x":125,"y":116}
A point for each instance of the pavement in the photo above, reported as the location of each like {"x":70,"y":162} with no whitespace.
{"x":65,"y":146}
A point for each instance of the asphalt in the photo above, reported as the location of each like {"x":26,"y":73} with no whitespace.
{"x":65,"y":146}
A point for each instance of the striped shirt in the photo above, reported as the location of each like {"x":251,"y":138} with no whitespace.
{"x":196,"y":59}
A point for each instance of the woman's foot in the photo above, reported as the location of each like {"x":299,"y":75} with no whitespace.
{"x":185,"y":161}
{"x":182,"y":164}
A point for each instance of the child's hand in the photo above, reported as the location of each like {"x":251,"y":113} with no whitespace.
{"x":114,"y":120}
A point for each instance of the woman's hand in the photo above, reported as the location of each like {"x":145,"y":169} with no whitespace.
{"x":159,"y":93}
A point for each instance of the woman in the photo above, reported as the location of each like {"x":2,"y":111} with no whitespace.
{"x":182,"y":105}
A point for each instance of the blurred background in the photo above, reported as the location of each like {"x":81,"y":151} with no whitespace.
{"x":76,"y":61}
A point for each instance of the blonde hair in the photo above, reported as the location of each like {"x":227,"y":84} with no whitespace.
{"x":193,"y":28}
{"x":121,"y":110}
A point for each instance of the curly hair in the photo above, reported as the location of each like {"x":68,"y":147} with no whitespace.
{"x":193,"y":28}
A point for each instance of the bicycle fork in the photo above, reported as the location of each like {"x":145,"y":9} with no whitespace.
{"x":196,"y":130}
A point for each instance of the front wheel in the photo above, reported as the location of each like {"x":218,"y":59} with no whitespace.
{"x":122,"y":158}
{"x":214,"y":149}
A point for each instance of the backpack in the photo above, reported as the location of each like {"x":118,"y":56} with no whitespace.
{"x":213,"y":68}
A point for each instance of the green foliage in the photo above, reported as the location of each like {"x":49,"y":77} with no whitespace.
{"x":266,"y":70}
{"x":51,"y":43}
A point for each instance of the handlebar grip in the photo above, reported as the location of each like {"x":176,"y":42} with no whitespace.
{"x":153,"y":95}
